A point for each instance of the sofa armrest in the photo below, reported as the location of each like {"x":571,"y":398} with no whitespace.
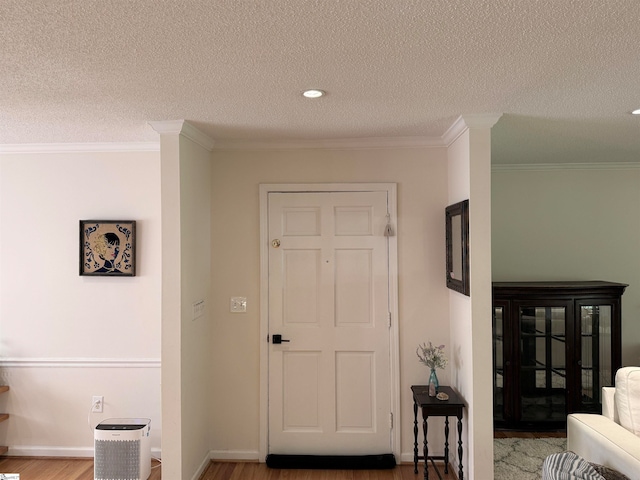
{"x":609,"y":404}
{"x":598,"y":439}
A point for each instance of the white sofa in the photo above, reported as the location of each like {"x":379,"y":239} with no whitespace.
{"x":613,"y":438}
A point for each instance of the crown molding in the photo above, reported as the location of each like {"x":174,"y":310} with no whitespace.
{"x":529,"y":167}
{"x":80,"y":147}
{"x":335,"y":144}
{"x":468,"y":121}
{"x":182,"y":127}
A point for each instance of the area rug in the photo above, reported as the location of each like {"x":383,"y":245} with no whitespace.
{"x":521,"y":458}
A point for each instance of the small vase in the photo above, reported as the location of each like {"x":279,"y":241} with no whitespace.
{"x":433,"y":383}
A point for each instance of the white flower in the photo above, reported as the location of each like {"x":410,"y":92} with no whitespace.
{"x":432,"y":357}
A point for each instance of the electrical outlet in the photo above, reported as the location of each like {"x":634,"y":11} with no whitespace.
{"x":97,"y":404}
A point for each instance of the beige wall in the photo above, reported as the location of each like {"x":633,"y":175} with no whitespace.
{"x":421,"y":176}
{"x":571,"y":224}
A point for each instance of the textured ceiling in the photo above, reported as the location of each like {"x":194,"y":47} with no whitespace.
{"x":564,"y":74}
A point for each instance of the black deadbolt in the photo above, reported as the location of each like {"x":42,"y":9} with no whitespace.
{"x":277,"y":339}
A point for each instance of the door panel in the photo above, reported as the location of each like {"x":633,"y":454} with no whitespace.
{"x":329,"y":386}
{"x":353,"y":287}
{"x":301,"y":282}
{"x":355,"y":378}
{"x":301,"y":386}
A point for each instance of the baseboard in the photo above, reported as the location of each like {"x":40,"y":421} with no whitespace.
{"x":203,"y":466}
{"x":36,"y":451}
{"x":408,"y":457}
{"x":62,"y":452}
{"x":227,"y":456}
{"x":236,"y":455}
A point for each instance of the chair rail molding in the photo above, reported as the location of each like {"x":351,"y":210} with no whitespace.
{"x":32,"y":362}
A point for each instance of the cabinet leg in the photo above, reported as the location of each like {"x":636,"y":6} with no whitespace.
{"x":460,"y":474}
{"x":415,"y":437}
{"x":446,"y":444}
{"x":425,"y":428}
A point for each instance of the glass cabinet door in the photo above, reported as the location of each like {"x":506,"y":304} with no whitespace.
{"x":498,"y":363}
{"x":596,"y":369}
{"x":543,"y":367}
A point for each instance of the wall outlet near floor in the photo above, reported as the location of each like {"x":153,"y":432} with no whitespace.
{"x":97,"y":404}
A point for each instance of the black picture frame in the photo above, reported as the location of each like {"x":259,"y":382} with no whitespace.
{"x":457,"y":241}
{"x":108,"y":248}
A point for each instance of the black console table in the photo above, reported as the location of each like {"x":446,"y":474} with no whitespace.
{"x":431,"y":406}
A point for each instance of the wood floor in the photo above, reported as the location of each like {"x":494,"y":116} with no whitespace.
{"x":82,"y":469}
{"x":259,"y":471}
{"x":49,"y":468}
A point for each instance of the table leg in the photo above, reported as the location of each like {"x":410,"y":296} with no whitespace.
{"x":425,"y":428}
{"x":460,"y":474}
{"x":415,"y":437}
{"x":446,"y":444}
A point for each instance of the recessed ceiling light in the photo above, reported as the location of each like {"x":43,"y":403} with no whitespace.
{"x":636,"y":111}
{"x":313,"y":93}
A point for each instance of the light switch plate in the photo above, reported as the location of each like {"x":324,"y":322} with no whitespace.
{"x":238,"y":304}
{"x":198,"y":309}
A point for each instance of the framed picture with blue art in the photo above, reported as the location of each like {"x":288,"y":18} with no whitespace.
{"x":108,"y":248}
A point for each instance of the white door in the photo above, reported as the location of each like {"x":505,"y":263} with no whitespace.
{"x":330,"y":381}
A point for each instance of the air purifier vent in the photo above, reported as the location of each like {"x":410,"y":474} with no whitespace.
{"x":117,"y":459}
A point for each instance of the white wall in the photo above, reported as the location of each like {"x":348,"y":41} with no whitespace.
{"x":470,"y":318}
{"x":571,"y":224}
{"x":421,"y":176}
{"x":196,"y":333}
{"x":65,"y":337}
{"x":186,"y":280}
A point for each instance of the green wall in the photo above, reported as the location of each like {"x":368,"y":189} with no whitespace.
{"x":571,"y":223}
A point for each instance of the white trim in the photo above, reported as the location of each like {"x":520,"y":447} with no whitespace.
{"x":396,"y":380}
{"x":456,"y":129}
{"x":67,"y":452}
{"x":203,"y":466}
{"x":182,"y":127}
{"x":172,"y":127}
{"x":49,"y":451}
{"x":263,"y":441}
{"x":339,"y":143}
{"x":391,"y":190}
{"x":80,"y":362}
{"x":481,"y":120}
{"x":565,"y":166}
{"x":467,"y":121}
{"x":80,"y":147}
{"x":236,"y":455}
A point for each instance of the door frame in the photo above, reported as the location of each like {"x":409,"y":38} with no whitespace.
{"x":394,"y":339}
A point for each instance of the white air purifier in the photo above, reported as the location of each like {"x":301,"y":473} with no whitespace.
{"x":122,"y":449}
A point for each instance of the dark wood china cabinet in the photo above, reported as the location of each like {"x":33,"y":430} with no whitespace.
{"x":555,"y":344}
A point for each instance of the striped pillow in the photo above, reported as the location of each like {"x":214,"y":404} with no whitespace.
{"x":568,"y":466}
{"x":609,"y":473}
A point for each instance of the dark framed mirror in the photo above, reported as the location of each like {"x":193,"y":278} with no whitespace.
{"x":457,"y":237}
